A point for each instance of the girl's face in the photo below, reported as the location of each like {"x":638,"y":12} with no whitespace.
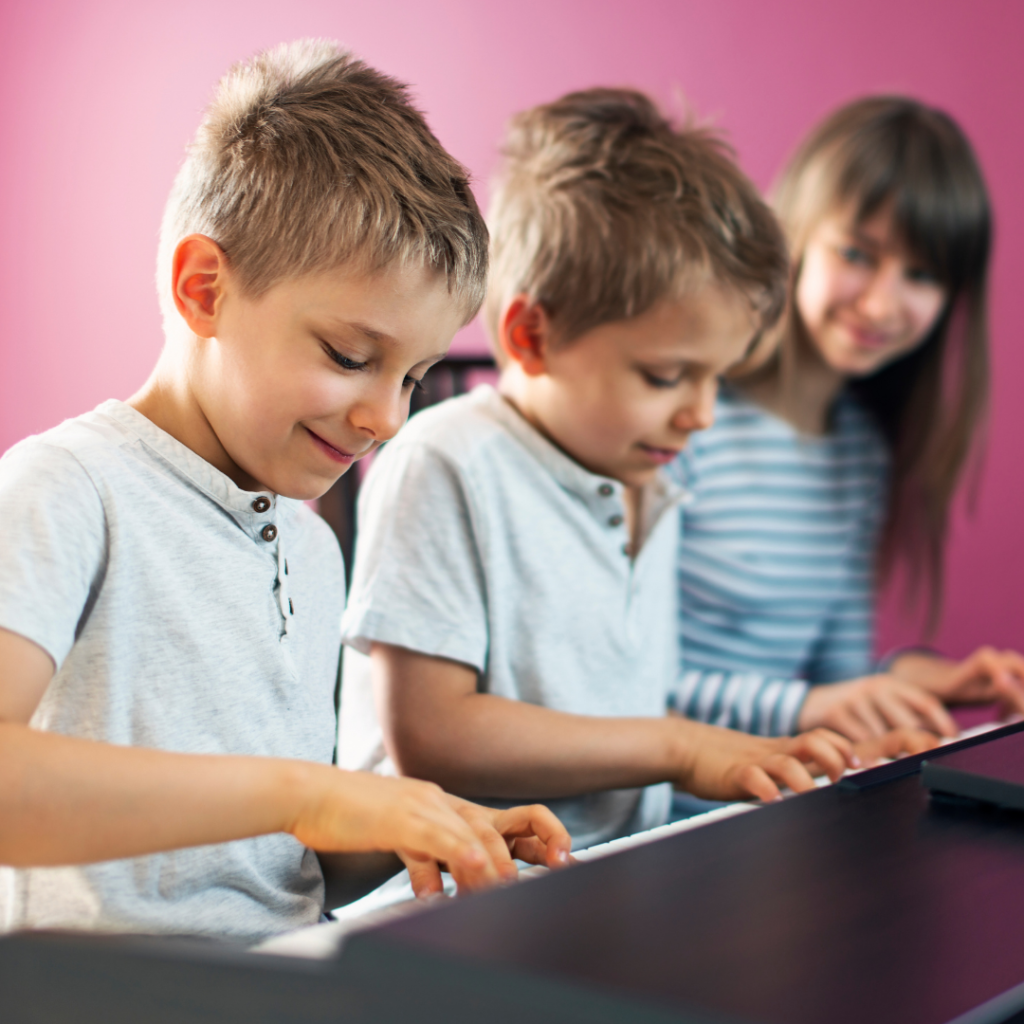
{"x":863,"y":299}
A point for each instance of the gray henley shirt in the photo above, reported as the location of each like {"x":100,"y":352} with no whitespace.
{"x":183,"y":614}
{"x":481,"y":542}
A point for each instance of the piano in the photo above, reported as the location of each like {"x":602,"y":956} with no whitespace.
{"x":861,"y":901}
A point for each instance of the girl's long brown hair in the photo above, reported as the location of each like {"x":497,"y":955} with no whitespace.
{"x":895,"y":155}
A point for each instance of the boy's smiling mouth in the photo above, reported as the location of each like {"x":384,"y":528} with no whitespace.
{"x":659,"y":455}
{"x":337,"y":454}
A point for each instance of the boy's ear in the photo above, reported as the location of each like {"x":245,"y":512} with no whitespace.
{"x":199,"y":274}
{"x":525,"y":335}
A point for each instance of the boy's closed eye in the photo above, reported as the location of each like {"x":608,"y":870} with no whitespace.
{"x":343,"y":361}
{"x":354,"y":364}
{"x":660,"y":378}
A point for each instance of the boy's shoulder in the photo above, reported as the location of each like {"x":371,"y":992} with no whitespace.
{"x":92,"y":432}
{"x":482,"y":440}
{"x":64,"y":458}
{"x":463,"y":428}
{"x":117,"y":454}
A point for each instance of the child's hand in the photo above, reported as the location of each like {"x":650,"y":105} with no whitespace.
{"x":731,"y":765}
{"x":898,"y":743}
{"x":985,"y":676}
{"x":863,"y":709}
{"x":532,"y":834}
{"x":357,"y":811}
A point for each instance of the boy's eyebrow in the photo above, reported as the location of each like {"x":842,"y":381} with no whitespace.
{"x":363,"y":328}
{"x":665,"y":364}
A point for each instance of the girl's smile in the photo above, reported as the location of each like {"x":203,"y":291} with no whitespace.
{"x":863,"y":299}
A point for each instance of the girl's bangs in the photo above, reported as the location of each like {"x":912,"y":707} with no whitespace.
{"x":933,"y":189}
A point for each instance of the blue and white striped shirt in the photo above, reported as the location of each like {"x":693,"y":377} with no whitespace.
{"x":776,"y":578}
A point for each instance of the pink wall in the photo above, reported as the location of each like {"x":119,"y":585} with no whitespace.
{"x":101,"y":95}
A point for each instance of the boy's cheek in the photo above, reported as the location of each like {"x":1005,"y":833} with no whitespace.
{"x":317,"y":398}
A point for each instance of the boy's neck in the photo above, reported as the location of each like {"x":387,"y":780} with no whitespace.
{"x":168,"y":401}
{"x":514,"y":387}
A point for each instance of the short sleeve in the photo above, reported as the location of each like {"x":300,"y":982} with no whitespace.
{"x":54,"y":545}
{"x":417,"y":579}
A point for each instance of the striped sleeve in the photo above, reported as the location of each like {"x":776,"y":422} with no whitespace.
{"x":746,"y":701}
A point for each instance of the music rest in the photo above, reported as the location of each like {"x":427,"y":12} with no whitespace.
{"x":991,"y":773}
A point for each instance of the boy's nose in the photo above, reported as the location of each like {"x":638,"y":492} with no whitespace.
{"x":380,"y":414}
{"x":699,"y":412}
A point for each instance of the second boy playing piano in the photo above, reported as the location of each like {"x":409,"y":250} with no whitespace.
{"x":511,"y":616}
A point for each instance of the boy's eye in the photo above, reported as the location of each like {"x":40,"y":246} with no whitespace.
{"x":413,"y":382}
{"x":342,"y":361}
{"x":657,"y":381}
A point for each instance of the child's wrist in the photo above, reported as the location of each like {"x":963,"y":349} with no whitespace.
{"x":678,"y":749}
{"x":293,"y":788}
{"x":809,"y":715}
{"x":918,"y":665}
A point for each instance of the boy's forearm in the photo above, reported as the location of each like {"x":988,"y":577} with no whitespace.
{"x":68,"y":801}
{"x":437,"y":726}
{"x":486,"y":746}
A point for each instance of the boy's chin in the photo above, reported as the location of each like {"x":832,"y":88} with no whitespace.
{"x":635,"y":477}
{"x":306,"y":488}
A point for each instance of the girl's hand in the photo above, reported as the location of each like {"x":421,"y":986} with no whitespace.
{"x":343,"y":811}
{"x":985,"y":676}
{"x":731,"y":765}
{"x":867,"y":708}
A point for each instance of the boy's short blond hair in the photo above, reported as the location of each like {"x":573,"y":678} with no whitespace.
{"x":306,"y":159}
{"x":602,"y":209}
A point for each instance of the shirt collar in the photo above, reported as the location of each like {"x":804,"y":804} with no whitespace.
{"x":186,"y":463}
{"x":602,"y":495}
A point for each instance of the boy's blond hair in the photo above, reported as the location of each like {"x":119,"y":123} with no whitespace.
{"x":602,"y":209}
{"x":308,"y":158}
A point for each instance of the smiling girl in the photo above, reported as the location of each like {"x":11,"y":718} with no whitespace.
{"x":836,"y":459}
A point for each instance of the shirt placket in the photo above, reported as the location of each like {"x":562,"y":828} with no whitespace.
{"x":611,"y":511}
{"x":270,"y":534}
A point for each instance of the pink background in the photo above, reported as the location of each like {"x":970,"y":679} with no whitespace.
{"x":100,"y":97}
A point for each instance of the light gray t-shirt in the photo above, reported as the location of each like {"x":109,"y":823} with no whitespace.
{"x":145,"y":574}
{"x":481,"y":542}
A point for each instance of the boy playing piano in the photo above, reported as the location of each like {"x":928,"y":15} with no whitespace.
{"x":168,"y":605}
{"x":511,"y":621}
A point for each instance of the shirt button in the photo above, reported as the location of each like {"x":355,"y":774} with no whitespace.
{"x":269,"y":532}
{"x":606,"y":490}
{"x":261,"y":504}
{"x":615,"y":520}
